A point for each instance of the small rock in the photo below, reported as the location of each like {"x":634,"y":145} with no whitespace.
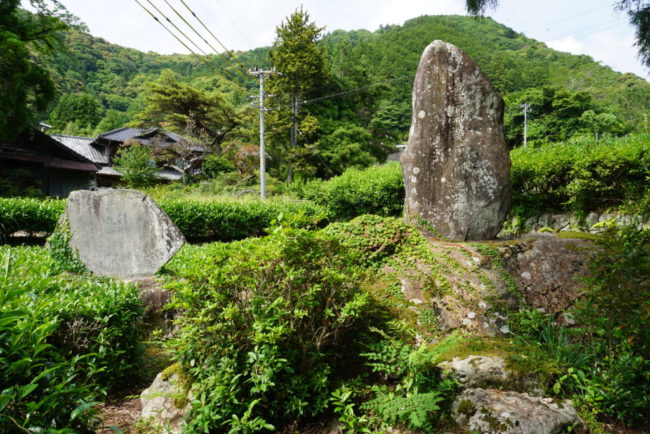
{"x":477,"y":371}
{"x":495,"y":411}
{"x":160,"y":403}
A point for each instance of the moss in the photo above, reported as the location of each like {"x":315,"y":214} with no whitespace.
{"x":466,"y":407}
{"x":184,"y":382}
{"x":579,"y":236}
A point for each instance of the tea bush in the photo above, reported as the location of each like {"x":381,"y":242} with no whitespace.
{"x":376,"y":190}
{"x":582,"y":175}
{"x":232,"y":219}
{"x":29,"y":215}
{"x":222,"y":220}
{"x":71,"y":338}
{"x":267,"y":327}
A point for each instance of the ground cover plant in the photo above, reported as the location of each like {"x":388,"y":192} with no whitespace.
{"x":66,"y":341}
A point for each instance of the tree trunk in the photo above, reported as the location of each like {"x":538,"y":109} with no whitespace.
{"x":294,"y":136}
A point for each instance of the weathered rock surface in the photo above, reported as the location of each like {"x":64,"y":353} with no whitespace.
{"x":160,"y":403}
{"x":548,"y":270}
{"x":495,"y":411}
{"x":456,"y":165}
{"x":477,"y":371}
{"x":121,"y":233}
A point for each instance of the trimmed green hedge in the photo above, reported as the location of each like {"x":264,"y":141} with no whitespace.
{"x":66,"y":340}
{"x":376,"y":190}
{"x":29,"y":214}
{"x":235,"y":220}
{"x":216,"y":220}
{"x":582,"y":175}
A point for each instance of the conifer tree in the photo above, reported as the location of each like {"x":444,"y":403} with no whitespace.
{"x":298,"y":59}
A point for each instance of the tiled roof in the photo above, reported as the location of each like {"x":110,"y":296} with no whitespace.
{"x":169,"y":174}
{"x":82,"y":146}
{"x":106,"y":170}
{"x":122,"y":134}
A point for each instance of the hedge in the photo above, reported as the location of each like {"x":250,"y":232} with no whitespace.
{"x":582,"y":175}
{"x":199,"y":221}
{"x":376,"y":190}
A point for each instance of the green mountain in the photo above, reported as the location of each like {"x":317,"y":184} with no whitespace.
{"x":370,"y":76}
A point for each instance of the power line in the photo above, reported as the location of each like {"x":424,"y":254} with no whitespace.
{"x":244,"y":76}
{"x":225,"y":73}
{"x":235,"y":86}
{"x":215,"y":38}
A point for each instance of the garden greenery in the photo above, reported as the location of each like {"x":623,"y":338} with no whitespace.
{"x":66,"y":341}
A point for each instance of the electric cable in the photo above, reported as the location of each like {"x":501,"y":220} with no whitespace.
{"x":225,"y":73}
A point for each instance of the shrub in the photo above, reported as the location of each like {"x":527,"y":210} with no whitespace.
{"x":29,"y":215}
{"x":137,"y":166}
{"x":40,"y":391}
{"x":376,"y":190}
{"x":582,"y":175}
{"x":267,"y":326}
{"x":95,"y":319}
{"x":232,"y":219}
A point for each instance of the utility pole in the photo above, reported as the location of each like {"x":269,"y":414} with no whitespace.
{"x":525,"y":107}
{"x":260,"y":74}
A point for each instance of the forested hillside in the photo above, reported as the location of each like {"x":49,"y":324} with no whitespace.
{"x":364,"y":96}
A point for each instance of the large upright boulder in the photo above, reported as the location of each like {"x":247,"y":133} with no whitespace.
{"x":121,"y":233}
{"x":456,"y":166}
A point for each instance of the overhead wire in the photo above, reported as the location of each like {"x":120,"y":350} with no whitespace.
{"x":224,"y":72}
{"x":229,"y":82}
{"x":245,"y":76}
{"x":215,"y":38}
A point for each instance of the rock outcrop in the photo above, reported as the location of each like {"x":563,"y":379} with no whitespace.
{"x":456,"y":166}
{"x":495,"y":411}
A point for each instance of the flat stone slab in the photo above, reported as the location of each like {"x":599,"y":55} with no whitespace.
{"x":121,"y":233}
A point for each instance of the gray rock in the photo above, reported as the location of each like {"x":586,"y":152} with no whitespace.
{"x":121,"y":233}
{"x":495,"y":411}
{"x":477,"y":371}
{"x":548,"y":271}
{"x":160,"y":403}
{"x":456,"y":165}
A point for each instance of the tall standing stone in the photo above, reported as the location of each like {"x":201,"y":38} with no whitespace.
{"x":121,"y":233}
{"x":456,"y":166}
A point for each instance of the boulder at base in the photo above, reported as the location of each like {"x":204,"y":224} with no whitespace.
{"x":121,"y":233}
{"x":496,"y":411}
{"x":456,"y":165}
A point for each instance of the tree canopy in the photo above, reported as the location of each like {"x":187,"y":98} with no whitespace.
{"x":27,"y":88}
{"x":637,"y":10}
{"x":207,"y":115}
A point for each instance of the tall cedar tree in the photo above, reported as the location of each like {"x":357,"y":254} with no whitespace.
{"x":298,"y":59}
{"x":208,"y":116}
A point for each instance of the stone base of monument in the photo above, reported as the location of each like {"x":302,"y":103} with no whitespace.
{"x":120,"y":233}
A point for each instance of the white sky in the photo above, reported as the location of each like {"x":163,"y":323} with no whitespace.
{"x":589,"y":27}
